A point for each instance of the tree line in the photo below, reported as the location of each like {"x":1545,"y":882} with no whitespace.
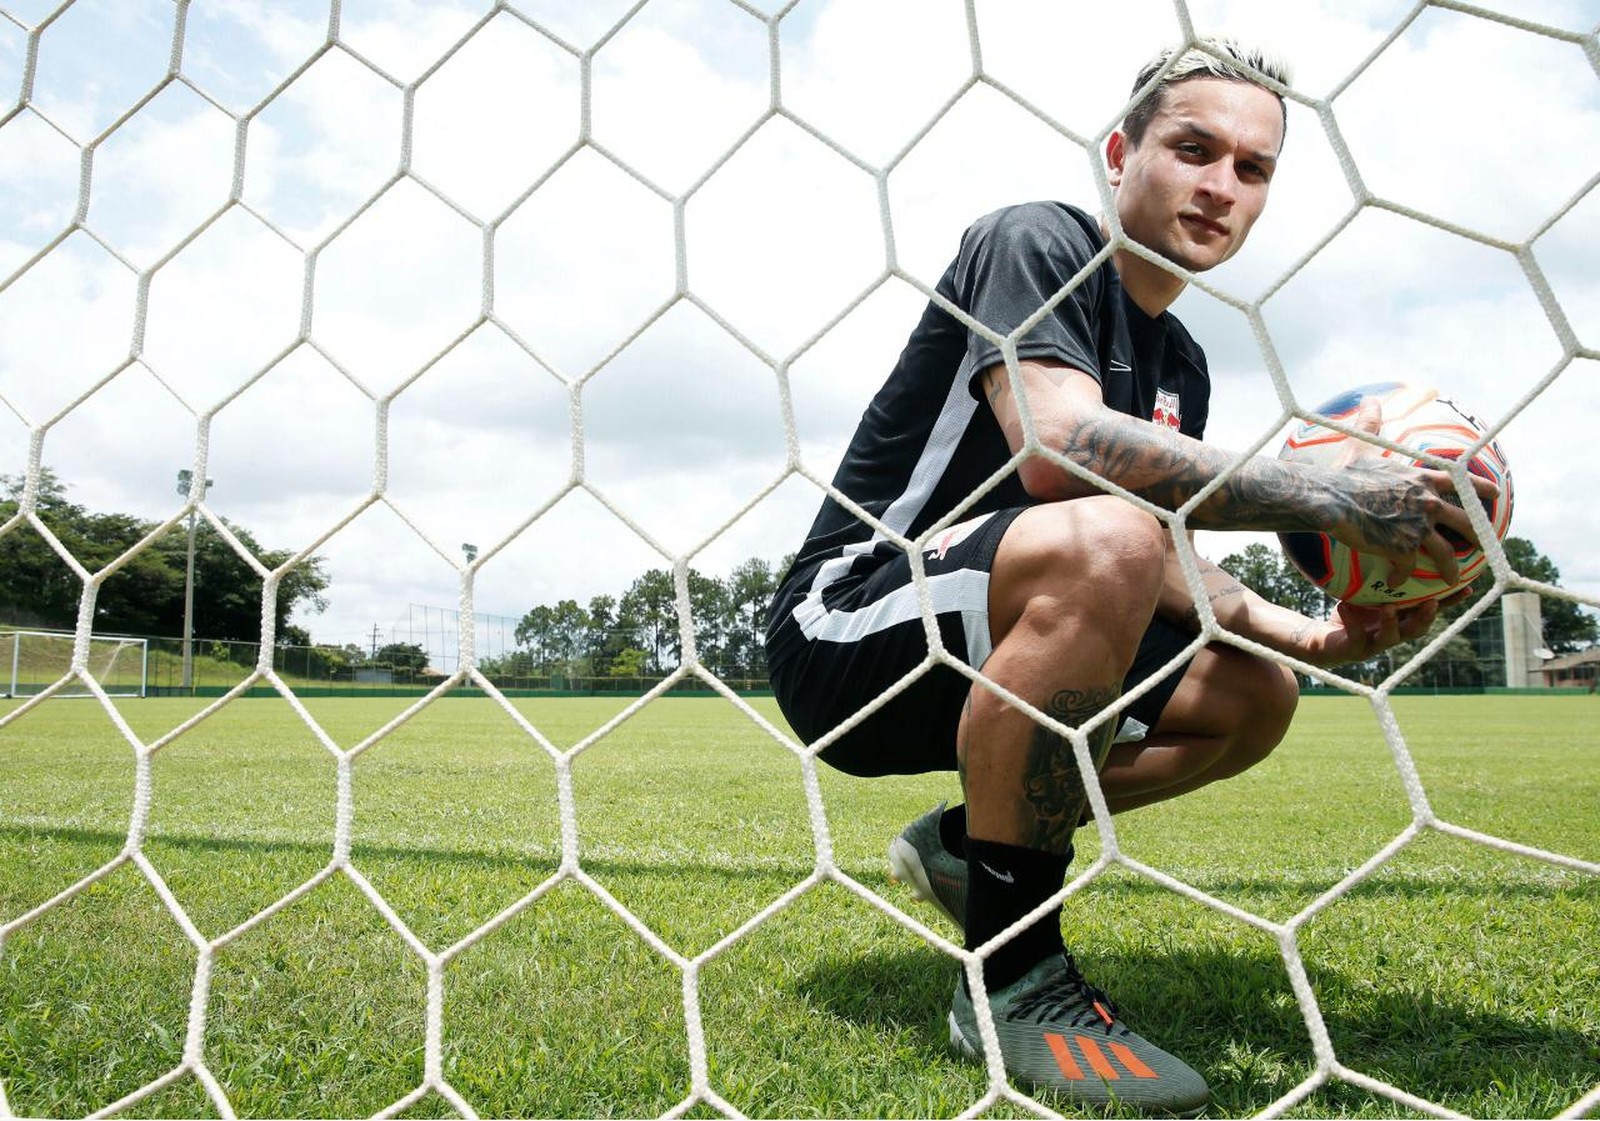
{"x":145,"y":596}
{"x":637,"y":633}
{"x":632,"y":635}
{"x":1472,"y":658}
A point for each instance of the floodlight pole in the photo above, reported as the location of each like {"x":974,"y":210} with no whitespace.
{"x":185,"y":478}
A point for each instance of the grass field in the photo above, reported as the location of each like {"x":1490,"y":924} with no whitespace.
{"x":1464,"y":975}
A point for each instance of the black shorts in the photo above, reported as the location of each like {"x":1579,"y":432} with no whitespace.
{"x":832,"y":653}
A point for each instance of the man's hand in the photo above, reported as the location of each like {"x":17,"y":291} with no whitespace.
{"x":1397,"y":517}
{"x":1355,"y":632}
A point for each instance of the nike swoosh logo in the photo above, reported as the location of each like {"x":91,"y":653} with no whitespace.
{"x":1120,"y":367}
{"x":1005,"y":878}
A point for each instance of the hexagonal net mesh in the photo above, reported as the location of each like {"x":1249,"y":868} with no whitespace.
{"x":335,"y":52}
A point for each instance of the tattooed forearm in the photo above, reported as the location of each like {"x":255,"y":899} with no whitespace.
{"x":1168,"y":469}
{"x":1384,"y":510}
{"x":1053,"y":787}
{"x":1298,"y":637}
{"x":994,"y":384}
{"x":1226,"y":590}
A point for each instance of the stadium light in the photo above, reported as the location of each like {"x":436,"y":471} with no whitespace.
{"x":185,"y":481}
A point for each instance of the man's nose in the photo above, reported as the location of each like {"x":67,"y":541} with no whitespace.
{"x":1221,"y":183}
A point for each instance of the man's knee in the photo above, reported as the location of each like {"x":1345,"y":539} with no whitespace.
{"x":1091,"y":562}
{"x":1241,"y":702}
{"x":1273,"y":693}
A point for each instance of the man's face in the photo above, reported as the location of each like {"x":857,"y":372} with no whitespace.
{"x":1194,"y":185}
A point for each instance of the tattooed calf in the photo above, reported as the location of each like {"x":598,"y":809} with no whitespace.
{"x":1052,"y":784}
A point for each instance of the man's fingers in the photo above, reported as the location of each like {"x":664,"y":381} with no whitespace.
{"x":1455,"y":519}
{"x":1443,"y":556}
{"x":1416,"y":620}
{"x":1487,"y":490}
{"x":1388,"y":629}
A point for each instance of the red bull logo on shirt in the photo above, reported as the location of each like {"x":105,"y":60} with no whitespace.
{"x":1166,"y":411}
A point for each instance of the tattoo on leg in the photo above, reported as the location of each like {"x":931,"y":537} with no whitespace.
{"x":1053,"y":785}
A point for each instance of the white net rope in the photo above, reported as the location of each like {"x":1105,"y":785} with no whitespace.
{"x":436,"y":959}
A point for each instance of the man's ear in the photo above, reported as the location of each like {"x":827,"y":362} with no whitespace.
{"x":1116,"y":153}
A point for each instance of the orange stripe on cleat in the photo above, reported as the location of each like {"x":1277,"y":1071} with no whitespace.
{"x":1104,"y":1015}
{"x":1102,"y":1065}
{"x":1136,"y":1067}
{"x":1064,"y":1060}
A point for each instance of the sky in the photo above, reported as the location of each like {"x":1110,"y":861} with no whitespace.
{"x":274,"y":282}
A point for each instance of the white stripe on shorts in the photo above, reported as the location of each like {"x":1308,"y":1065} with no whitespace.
{"x":965,"y":590}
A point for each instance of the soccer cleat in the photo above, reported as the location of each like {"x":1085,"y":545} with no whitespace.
{"x":1058,"y":1032}
{"x":918,"y":859}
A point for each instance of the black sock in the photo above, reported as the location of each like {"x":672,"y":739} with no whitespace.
{"x":1004,"y":883}
{"x":953,"y":830}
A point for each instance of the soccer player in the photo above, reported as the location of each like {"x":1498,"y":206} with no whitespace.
{"x":1065,"y":594}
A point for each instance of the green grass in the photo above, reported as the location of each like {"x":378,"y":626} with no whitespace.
{"x":1465,"y":975}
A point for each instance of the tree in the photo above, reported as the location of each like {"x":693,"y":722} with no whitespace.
{"x":568,"y":624}
{"x":145,"y":594}
{"x":604,"y":639}
{"x":1265,"y":571}
{"x":649,"y":608}
{"x":1453,"y":665}
{"x":750,"y":588}
{"x":34,"y":581}
{"x":638,"y":634}
{"x":402,"y":656}
{"x":227,"y":591}
{"x":629,"y":662}
{"x":708,"y":600}
{"x":534,"y":632}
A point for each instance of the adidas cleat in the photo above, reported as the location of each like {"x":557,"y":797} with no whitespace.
{"x":1059,"y":1033}
{"x":918,"y":859}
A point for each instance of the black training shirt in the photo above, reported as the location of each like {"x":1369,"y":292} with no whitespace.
{"x":928,"y":440}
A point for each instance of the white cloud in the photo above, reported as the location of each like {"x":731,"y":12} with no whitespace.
{"x":683,"y":426}
{"x":239,"y":51}
{"x":40,"y":168}
{"x":97,"y":59}
{"x":496,"y":116}
{"x":677,"y":86}
{"x":583,"y":262}
{"x":871,"y":74}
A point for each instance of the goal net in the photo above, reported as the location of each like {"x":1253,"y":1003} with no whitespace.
{"x":287,"y":246}
{"x":43,"y":660}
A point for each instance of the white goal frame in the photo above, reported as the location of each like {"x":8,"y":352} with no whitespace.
{"x":67,"y":684}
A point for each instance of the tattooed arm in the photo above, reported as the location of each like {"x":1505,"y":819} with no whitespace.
{"x":1372,"y":504}
{"x":1351,"y":635}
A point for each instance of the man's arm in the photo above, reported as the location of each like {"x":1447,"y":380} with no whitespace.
{"x":1351,"y":635}
{"x":1372,"y":504}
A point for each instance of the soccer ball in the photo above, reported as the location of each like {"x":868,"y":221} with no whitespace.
{"x":1417,"y":417}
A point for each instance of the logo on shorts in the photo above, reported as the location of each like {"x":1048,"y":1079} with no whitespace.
{"x":950,"y":538}
{"x":1166,"y":411}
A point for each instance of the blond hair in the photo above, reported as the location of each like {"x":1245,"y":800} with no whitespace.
{"x":1209,"y":57}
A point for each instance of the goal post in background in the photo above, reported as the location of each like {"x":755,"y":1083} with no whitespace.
{"x":602,"y":288}
{"x":35,"y":660}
